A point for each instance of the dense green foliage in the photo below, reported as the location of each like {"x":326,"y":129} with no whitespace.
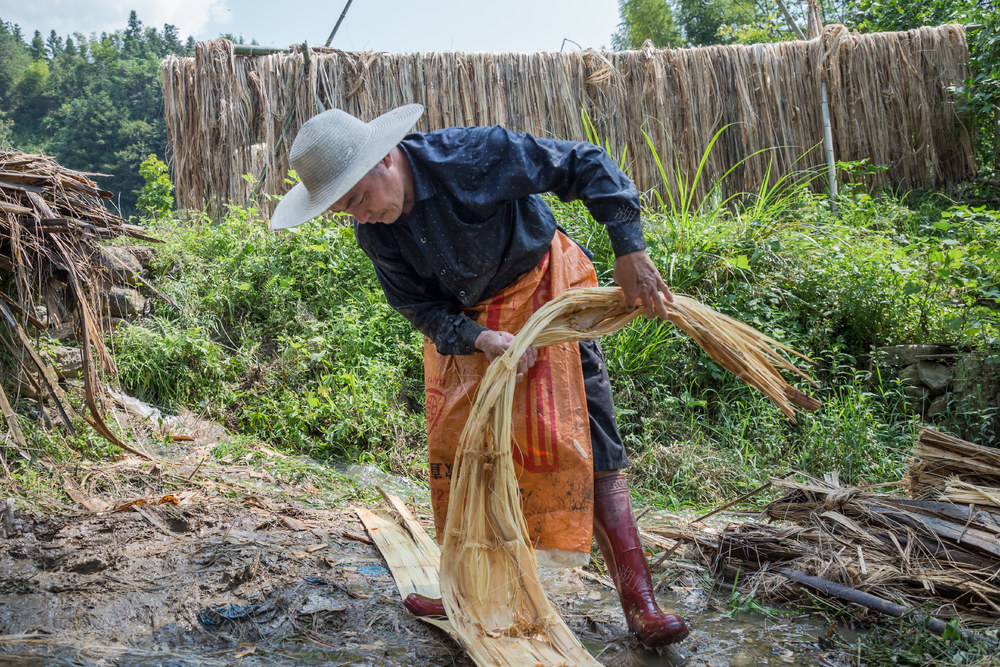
{"x":156,"y":195}
{"x":695,"y":23}
{"x":95,"y":102}
{"x":287,"y":337}
{"x":643,"y":20}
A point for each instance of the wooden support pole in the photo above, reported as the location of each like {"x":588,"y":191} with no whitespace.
{"x":256,"y":50}
{"x":788,"y":19}
{"x":831,"y":162}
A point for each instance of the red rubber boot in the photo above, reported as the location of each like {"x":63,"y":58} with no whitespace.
{"x":421,"y":605}
{"x":618,"y":539}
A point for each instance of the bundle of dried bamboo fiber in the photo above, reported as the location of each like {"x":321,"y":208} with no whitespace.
{"x":944,"y":467}
{"x":51,"y":223}
{"x":489,"y":575}
{"x":889,"y":101}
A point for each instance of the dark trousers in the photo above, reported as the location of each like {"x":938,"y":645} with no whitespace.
{"x":608,"y":449}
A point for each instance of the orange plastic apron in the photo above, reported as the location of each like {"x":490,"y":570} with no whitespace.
{"x":551,"y":431}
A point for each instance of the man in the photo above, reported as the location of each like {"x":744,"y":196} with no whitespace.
{"x":466,"y":250}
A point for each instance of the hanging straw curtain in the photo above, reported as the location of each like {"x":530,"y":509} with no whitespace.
{"x":231,"y":115}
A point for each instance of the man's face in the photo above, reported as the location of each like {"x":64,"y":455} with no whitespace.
{"x":377,"y":198}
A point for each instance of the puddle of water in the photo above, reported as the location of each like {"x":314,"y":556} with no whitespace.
{"x":741,"y":638}
{"x":371,"y":477}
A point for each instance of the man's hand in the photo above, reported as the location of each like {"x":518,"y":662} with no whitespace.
{"x":641,"y":282}
{"x":495,"y":343}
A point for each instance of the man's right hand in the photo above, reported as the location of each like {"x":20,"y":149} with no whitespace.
{"x":495,"y":343}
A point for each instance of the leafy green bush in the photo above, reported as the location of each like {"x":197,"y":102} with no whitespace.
{"x":287,"y":337}
{"x":155,"y":196}
{"x":172,"y":363}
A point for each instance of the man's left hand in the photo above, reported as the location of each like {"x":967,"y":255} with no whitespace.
{"x":494,"y":343}
{"x":642,"y":284}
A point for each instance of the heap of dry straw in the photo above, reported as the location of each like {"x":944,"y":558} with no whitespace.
{"x":944,"y":467}
{"x":489,"y":576}
{"x":51,"y":221}
{"x":889,"y":103}
{"x":886,"y":553}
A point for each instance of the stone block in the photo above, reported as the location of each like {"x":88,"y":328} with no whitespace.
{"x":125,"y":303}
{"x":64,"y":331}
{"x":935,"y":376}
{"x":68,"y":361}
{"x":904,"y":355}
{"x":910,"y":376}
{"x":119,"y":261}
{"x":938,"y":406}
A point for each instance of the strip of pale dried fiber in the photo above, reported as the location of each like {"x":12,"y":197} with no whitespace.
{"x":489,"y":575}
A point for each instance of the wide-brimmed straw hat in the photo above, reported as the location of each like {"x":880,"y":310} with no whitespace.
{"x":331,"y":153}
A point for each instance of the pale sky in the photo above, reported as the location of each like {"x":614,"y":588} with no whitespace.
{"x":378,"y":25}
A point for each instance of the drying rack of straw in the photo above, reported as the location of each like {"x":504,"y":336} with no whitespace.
{"x":228,"y":115}
{"x":489,"y":575}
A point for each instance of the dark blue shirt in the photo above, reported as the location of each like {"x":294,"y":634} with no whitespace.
{"x":477,"y":222}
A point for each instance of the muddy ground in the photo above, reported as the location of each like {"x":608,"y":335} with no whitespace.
{"x":204,"y":557}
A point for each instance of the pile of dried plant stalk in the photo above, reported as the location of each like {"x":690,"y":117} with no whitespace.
{"x":51,"y":221}
{"x":489,"y":575}
{"x":944,"y":467}
{"x":885,"y":553}
{"x":230,"y":115}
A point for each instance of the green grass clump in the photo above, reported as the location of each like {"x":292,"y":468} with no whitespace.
{"x":885,"y":270}
{"x":283,"y":337}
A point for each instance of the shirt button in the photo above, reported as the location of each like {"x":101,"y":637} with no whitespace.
{"x":462,"y":293}
{"x":443,"y":272}
{"x":423,"y":239}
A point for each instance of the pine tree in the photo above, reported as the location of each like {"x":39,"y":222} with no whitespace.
{"x":37,"y":48}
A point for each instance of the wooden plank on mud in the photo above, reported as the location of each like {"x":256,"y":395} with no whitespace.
{"x":412,"y":556}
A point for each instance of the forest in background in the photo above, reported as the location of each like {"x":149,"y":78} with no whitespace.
{"x":94,"y":102}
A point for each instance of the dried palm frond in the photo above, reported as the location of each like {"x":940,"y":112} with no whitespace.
{"x":489,"y":575}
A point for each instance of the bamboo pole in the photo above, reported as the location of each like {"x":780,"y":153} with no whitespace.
{"x":831,"y":162}
{"x":788,"y":18}
{"x":853,"y":595}
{"x":339,"y":21}
{"x":256,"y":50}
